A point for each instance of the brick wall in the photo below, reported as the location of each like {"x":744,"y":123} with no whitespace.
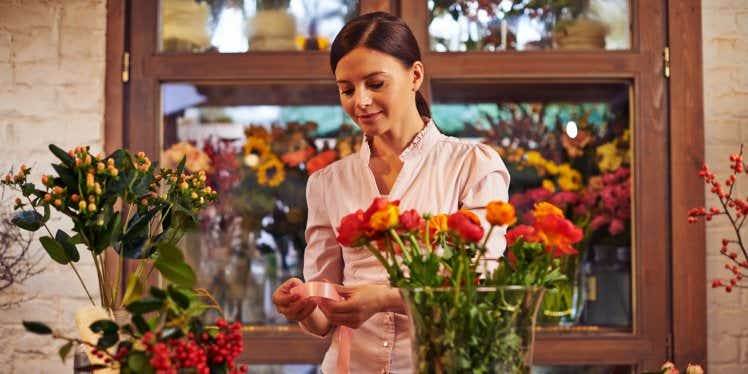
{"x":51,"y":90}
{"x":725,"y":42}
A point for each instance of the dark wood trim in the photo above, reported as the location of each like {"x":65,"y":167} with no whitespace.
{"x":686,"y":110}
{"x":114,"y":92}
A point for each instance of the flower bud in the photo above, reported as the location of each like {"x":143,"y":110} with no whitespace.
{"x":88,"y":160}
{"x":58,"y":203}
{"x":18,"y":201}
{"x":47,"y":197}
{"x":82,"y":206}
{"x":7,"y":178}
{"x":75,"y":197}
{"x":144,"y":201}
{"x":45,"y":179}
{"x":92,"y":207}
{"x":140,"y":155}
{"x":57,"y":190}
{"x":184,"y":186}
{"x":194,"y":195}
{"x":91,"y":198}
{"x":100,"y":166}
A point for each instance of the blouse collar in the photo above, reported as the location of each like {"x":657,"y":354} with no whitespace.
{"x":423,"y":141}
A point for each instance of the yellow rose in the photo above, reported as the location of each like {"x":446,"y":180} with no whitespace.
{"x":385,"y":219}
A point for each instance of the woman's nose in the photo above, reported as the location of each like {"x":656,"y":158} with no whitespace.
{"x":363,"y":99}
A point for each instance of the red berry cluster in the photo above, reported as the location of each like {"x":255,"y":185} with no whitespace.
{"x":736,"y":210}
{"x":191,"y":351}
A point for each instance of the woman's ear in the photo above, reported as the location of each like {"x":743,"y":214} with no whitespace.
{"x":416,"y":75}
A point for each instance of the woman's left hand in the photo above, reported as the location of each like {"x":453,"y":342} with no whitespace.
{"x":360,"y":303}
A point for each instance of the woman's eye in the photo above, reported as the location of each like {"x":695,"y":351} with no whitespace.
{"x":346,"y":92}
{"x":376,"y":85}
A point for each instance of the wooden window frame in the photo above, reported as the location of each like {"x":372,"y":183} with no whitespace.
{"x":671,"y":280}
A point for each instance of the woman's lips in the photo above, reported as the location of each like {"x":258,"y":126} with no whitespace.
{"x":370,"y":117}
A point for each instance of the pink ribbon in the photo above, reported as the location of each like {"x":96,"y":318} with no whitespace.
{"x":318,"y":291}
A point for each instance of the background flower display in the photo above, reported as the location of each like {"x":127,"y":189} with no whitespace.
{"x":252,"y":238}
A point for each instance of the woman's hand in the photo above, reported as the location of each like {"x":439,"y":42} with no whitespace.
{"x":290,"y":305}
{"x":361,"y":302}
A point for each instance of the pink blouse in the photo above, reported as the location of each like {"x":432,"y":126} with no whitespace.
{"x":440,"y":174}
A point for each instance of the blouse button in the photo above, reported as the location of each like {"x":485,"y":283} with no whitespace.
{"x":386,"y":344}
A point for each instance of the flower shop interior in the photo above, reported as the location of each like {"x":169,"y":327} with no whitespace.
{"x":627,"y":115}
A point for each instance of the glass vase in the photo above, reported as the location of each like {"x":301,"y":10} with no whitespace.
{"x":472,"y":329}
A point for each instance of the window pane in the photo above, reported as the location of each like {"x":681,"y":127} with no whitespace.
{"x":258,"y":145}
{"x":228,"y":26}
{"x":568,"y":144}
{"x":498,"y":25}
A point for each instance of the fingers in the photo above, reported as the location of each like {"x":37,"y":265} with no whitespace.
{"x":282,"y":295}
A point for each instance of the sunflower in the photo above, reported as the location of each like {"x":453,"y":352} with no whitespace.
{"x":271,"y":172}
{"x":255,"y":149}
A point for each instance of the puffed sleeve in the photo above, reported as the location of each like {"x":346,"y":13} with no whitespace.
{"x":323,"y":257}
{"x":488,"y":180}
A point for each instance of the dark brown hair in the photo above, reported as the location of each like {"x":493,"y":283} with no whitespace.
{"x":382,"y":32}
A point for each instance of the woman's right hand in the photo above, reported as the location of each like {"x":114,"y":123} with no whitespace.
{"x":291,"y":305}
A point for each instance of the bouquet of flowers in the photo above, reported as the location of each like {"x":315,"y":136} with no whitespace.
{"x":480,"y":311}
{"x":116,"y":201}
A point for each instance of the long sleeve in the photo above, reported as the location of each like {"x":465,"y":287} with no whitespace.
{"x":323,"y":259}
{"x":488,"y":181}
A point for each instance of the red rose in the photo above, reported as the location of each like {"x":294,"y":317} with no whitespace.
{"x":411,"y":221}
{"x":466,"y":224}
{"x":352,"y":228}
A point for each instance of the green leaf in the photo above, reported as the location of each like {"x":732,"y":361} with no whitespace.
{"x":140,"y":323}
{"x":145,"y":305}
{"x":137,"y":362}
{"x":62,"y":155}
{"x":37,"y":327}
{"x":28,"y":220}
{"x":107,"y":340}
{"x":171,"y":333}
{"x":65,"y":241}
{"x":179,"y":273}
{"x":180,"y":167}
{"x":27,"y":189}
{"x":158,"y":293}
{"x":66,"y":177}
{"x":134,"y":289}
{"x":65,"y":350}
{"x":47,"y":212}
{"x":115,"y":227}
{"x":55,"y":250}
{"x":181,"y":299}
{"x":104,"y":325}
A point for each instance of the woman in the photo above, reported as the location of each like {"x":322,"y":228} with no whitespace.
{"x":377,"y":66}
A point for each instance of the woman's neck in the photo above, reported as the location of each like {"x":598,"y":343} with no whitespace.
{"x":394,"y":142}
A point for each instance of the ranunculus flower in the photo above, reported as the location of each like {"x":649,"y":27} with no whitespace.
{"x":544,"y":208}
{"x":384,"y":218}
{"x":616,"y":227}
{"x":564,"y":198}
{"x":352,"y":228}
{"x":411,"y":221}
{"x":694,"y":369}
{"x":500,"y":213}
{"x":669,"y":368}
{"x":466,"y":224}
{"x":599,"y":222}
{"x":524,"y":232}
{"x":319,"y":161}
{"x":558,"y":234}
{"x":437,"y":225}
{"x":379,"y":204}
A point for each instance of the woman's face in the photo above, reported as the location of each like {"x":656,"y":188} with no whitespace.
{"x":376,"y":90}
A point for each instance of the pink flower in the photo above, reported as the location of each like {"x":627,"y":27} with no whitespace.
{"x":616,"y":227}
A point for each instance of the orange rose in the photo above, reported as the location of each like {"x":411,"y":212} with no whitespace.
{"x":500,"y":213}
{"x":437,"y":225}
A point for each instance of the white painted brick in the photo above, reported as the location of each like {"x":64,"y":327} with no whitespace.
{"x":724,"y":349}
{"x":35,"y":309}
{"x":5,"y":47}
{"x":15,"y":16}
{"x":66,"y":72}
{"x":82,"y":42}
{"x":31,"y":101}
{"x":728,"y":369}
{"x":92,"y":11}
{"x":724,"y":130}
{"x":82,"y":97}
{"x":6,"y":74}
{"x":41,"y":365}
{"x":38,"y":44}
